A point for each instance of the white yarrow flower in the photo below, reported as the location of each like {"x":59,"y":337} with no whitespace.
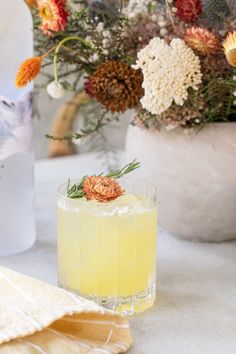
{"x":56,"y":90}
{"x":168,"y":72}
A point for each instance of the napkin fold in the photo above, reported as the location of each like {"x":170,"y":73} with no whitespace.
{"x":38,"y":318}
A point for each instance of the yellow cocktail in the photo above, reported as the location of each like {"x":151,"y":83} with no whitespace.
{"x":107,"y":251}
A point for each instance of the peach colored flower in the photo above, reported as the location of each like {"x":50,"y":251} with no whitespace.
{"x":28,"y":71}
{"x":53,"y":14}
{"x":101,"y":188}
{"x":201,"y":40}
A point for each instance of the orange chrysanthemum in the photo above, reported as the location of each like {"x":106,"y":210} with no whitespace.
{"x":28,"y":71}
{"x":229,"y":46}
{"x":53,"y":14}
{"x":101,"y":188}
{"x":201,"y":40}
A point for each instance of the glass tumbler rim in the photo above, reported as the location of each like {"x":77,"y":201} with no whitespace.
{"x":62,"y":194}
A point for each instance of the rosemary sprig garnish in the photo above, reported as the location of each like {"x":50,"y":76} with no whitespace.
{"x":115,"y":174}
{"x":76,"y":190}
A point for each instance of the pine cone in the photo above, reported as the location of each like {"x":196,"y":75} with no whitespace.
{"x":117,"y":86}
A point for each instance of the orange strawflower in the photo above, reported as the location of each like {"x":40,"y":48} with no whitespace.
{"x":53,"y":14}
{"x":229,"y":46}
{"x":201,"y":40}
{"x":28,"y":71}
{"x":101,"y":188}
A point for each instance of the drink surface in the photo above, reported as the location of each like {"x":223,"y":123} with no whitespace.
{"x":108,"y":249}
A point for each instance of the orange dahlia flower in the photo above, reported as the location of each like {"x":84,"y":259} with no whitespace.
{"x":53,"y":14}
{"x":229,"y":46}
{"x":201,"y":40}
{"x":28,"y":71}
{"x":101,"y":188}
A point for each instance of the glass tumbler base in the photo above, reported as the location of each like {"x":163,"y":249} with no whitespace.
{"x":128,"y":305}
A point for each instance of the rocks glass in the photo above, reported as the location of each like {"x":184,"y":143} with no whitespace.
{"x":107,"y":251}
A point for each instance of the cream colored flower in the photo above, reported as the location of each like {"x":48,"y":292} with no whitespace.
{"x":229,"y":45}
{"x":168,"y":72}
{"x":56,"y":90}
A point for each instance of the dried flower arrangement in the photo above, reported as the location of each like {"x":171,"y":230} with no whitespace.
{"x":173,"y":61}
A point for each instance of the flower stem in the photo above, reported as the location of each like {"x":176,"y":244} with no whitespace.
{"x":71,"y":38}
{"x":169,"y":12}
{"x":49,"y":51}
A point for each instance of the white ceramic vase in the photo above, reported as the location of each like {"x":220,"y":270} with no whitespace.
{"x":195,"y":175}
{"x":17,"y":226}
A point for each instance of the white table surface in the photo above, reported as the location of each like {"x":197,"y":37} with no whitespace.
{"x":195,"y":312}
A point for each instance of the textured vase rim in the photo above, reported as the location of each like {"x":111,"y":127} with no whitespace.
{"x":209,"y":126}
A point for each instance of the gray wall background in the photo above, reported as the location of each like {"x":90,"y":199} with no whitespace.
{"x":47,"y":107}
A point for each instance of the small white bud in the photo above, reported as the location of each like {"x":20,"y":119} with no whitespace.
{"x":222,"y":32}
{"x":105,"y":43}
{"x":106,"y":34}
{"x":162,"y":23}
{"x":161,"y":18}
{"x":131,"y":15}
{"x":56,"y":90}
{"x":100,"y":27}
{"x":95,"y":57}
{"x":163,"y":32}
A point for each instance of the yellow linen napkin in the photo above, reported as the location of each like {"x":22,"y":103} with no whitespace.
{"x":38,"y":318}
